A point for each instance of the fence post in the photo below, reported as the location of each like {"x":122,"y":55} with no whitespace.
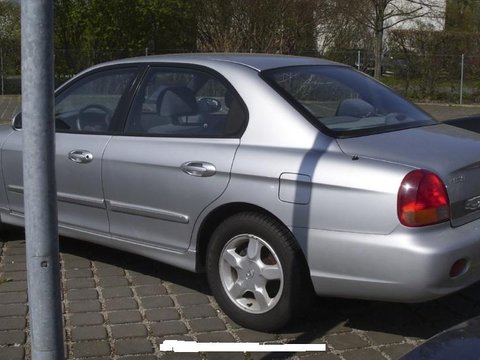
{"x":146,"y":51}
{"x":40,"y":193}
{"x":461,"y":78}
{"x":358,"y":60}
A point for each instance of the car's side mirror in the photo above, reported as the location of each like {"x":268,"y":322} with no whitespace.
{"x":17,"y":122}
{"x":209,"y":105}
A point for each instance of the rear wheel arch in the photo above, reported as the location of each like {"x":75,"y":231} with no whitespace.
{"x":220,"y":214}
{"x":215,"y":218}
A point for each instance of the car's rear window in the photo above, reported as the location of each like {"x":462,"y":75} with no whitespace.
{"x":344,"y":101}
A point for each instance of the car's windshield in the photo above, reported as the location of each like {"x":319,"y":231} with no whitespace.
{"x":344,"y":101}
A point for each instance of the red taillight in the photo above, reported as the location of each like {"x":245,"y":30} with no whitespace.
{"x":422,"y":199}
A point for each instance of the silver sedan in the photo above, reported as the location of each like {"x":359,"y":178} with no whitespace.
{"x":278,"y":176}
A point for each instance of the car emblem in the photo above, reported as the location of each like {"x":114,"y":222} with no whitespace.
{"x":473,"y":203}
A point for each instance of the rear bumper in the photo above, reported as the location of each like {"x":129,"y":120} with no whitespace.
{"x":408,"y":265}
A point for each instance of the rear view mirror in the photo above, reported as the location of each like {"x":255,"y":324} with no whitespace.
{"x":17,"y":122}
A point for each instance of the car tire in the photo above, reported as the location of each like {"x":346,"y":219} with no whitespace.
{"x":257,"y":272}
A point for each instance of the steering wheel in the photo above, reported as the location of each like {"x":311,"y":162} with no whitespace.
{"x":83,"y":120}
{"x":395,"y":118}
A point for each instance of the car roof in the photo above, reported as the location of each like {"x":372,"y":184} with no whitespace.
{"x":258,"y":62}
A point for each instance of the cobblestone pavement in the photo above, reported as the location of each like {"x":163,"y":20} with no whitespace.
{"x":120,"y":306}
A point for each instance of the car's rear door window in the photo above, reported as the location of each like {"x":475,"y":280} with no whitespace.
{"x":184,"y":102}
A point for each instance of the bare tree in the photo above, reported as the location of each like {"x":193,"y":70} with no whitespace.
{"x":380,"y":15}
{"x":275,"y":26}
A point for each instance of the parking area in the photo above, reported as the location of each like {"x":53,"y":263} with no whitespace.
{"x":120,"y":306}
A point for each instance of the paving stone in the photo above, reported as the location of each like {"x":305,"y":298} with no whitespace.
{"x":13,"y":310}
{"x":78,"y":273}
{"x":380,"y":338}
{"x":129,"y":330}
{"x":220,"y":336}
{"x":16,"y":266}
{"x":82,"y":283}
{"x":182,"y":356}
{"x":156,"y":302}
{"x":11,"y":259}
{"x":82,"y":294}
{"x":12,"y":337}
{"x":70,"y":257}
{"x":320,"y":356}
{"x":76,"y":264}
{"x":13,"y":297}
{"x":363,"y":354}
{"x":207,"y":324}
{"x":12,"y":353}
{"x":121,"y":317}
{"x":346,"y":341}
{"x":231,"y":356}
{"x":91,"y":349}
{"x":199,"y":311}
{"x":136,"y":357}
{"x":17,"y":251}
{"x":248,"y":335}
{"x":192,"y":299}
{"x":162,"y":314}
{"x":13,"y":286}
{"x":13,"y":323}
{"x":89,"y":318}
{"x":179,"y":289}
{"x":89,"y":333}
{"x":113,"y":281}
{"x":338,"y":328}
{"x":84,"y":306}
{"x":15,"y":275}
{"x":145,"y":280}
{"x":133,"y":346}
{"x":109,"y":271}
{"x":397,"y":351}
{"x":116,"y":292}
{"x":149,"y":290}
{"x":121,"y":304}
{"x":168,"y":328}
{"x":266,"y":355}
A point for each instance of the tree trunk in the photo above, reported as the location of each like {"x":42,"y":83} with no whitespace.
{"x":378,"y":52}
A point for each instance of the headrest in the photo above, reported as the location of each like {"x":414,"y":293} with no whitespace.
{"x":176,"y":101}
{"x":355,"y":107}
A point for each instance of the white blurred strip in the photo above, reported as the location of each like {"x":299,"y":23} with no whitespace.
{"x":194,"y":347}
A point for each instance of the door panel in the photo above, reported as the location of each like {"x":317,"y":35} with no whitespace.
{"x":79,"y":186}
{"x":149,"y":198}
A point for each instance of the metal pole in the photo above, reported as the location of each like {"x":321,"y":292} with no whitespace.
{"x":358,"y":60}
{"x":1,"y":69}
{"x":146,"y":51}
{"x":461,"y":78}
{"x":41,"y":231}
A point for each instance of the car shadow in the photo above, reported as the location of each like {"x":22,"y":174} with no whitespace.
{"x":326,"y":316}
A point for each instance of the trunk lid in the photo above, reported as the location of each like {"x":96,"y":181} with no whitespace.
{"x":450,"y":152}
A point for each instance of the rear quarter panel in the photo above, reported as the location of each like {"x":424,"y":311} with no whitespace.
{"x":5,"y":131}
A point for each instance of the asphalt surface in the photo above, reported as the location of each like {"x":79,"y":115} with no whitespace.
{"x":120,"y":306}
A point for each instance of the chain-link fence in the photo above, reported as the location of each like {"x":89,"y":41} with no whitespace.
{"x":444,"y":78}
{"x":428,"y":77}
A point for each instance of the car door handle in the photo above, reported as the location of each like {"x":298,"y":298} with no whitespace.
{"x":80,"y":156}
{"x":198,"y":168}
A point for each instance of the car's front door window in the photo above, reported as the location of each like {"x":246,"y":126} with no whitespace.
{"x":89,"y":106}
